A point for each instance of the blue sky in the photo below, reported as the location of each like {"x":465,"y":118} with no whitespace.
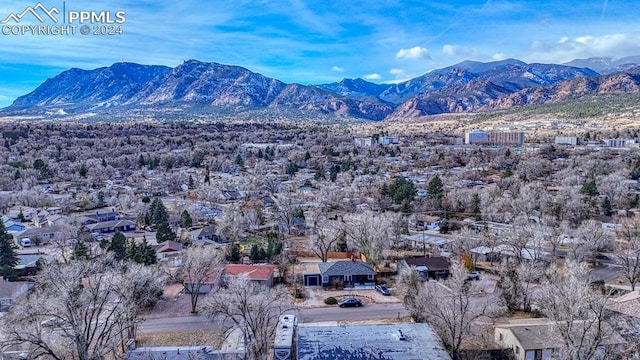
{"x":312,"y":42}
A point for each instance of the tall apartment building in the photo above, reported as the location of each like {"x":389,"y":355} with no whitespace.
{"x":476,"y":137}
{"x":618,"y":142}
{"x":506,"y":138}
{"x":567,"y":140}
{"x":364,"y":142}
{"x":494,"y":138}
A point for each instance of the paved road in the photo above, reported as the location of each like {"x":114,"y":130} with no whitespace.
{"x":307,"y":315}
{"x":367,"y":312}
{"x":182,"y":323}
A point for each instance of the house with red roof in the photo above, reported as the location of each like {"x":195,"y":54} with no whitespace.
{"x":261,"y":273}
{"x":168,"y":249}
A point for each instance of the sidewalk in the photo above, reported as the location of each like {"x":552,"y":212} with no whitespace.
{"x":233,"y":341}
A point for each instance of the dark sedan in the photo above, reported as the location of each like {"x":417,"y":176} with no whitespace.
{"x":350,"y":302}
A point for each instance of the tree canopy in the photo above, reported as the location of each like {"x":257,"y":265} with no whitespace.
{"x":401,"y":190}
{"x":8,"y":256}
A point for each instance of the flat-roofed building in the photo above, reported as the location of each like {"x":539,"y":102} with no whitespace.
{"x":567,"y":140}
{"x":476,"y":137}
{"x":506,"y":138}
{"x":370,"y":342}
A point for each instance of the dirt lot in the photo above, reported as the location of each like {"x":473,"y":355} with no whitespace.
{"x":174,"y":302}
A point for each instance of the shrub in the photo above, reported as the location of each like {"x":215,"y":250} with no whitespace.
{"x":330,"y":300}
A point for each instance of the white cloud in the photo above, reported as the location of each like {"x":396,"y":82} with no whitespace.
{"x":498,"y":56}
{"x":459,"y":51}
{"x":415,"y":53}
{"x":567,"y":49}
{"x":373,"y":76}
{"x":337,"y":69}
{"x":397,"y":72}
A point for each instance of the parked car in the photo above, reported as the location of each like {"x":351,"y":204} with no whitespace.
{"x":350,"y":302}
{"x":474,"y":275}
{"x":383,"y":290}
{"x":25,"y":242}
{"x":54,"y":321}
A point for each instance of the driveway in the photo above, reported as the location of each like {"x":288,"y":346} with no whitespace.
{"x":314,"y":297}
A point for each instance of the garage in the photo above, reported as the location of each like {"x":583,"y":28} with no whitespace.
{"x":312,"y":280}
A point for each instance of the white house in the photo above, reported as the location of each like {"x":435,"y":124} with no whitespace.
{"x":538,"y":339}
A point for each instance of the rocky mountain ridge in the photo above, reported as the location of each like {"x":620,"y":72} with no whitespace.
{"x":213,"y":88}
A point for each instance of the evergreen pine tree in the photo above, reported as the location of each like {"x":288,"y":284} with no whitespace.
{"x":185,"y":220}
{"x":148,"y":253}
{"x":234,"y":257}
{"x":255,"y":252}
{"x":606,"y":206}
{"x":269,"y":253}
{"x":165,"y":233}
{"x":435,"y":188}
{"x":262,"y":254}
{"x":80,"y":251}
{"x":157,"y":212}
{"x":8,"y":256}
{"x":118,"y":245}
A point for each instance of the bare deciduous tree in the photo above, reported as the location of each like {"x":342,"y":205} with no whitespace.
{"x":252,"y":308}
{"x":590,"y":240}
{"x":449,"y":307}
{"x":199,"y":265}
{"x":91,"y":307}
{"x":369,"y":233}
{"x":628,"y":251}
{"x":326,"y":235}
{"x":576,"y":310}
{"x":232,"y":223}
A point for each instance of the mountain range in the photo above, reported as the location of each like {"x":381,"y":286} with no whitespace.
{"x":212,"y":88}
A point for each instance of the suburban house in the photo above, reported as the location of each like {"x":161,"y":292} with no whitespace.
{"x":627,"y":304}
{"x":389,"y":341}
{"x":112,"y":226}
{"x":422,"y":241}
{"x":168,"y":249}
{"x":538,"y":339}
{"x":41,"y":235}
{"x":9,"y":291}
{"x":104,"y":215}
{"x":259,"y":273}
{"x":494,"y":227}
{"x":426,"y":222}
{"x":497,"y":253}
{"x":429,"y":267}
{"x":183,"y":353}
{"x":205,"y":284}
{"x":340,"y":273}
{"x":27,"y":212}
{"x":205,"y":236}
{"x":28,"y":263}
{"x":11,"y":225}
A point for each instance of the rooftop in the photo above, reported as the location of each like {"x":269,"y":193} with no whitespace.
{"x":364,"y":342}
{"x":254,"y":272}
{"x":540,"y":333}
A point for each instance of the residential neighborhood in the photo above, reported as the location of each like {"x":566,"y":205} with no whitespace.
{"x":366,"y":243}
